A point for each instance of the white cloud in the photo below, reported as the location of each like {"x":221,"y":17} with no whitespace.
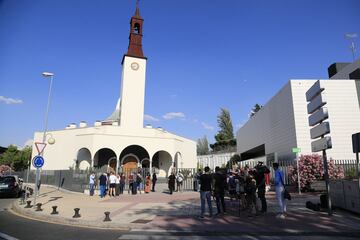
{"x":10,"y":100}
{"x":151,"y":118}
{"x":173,"y":96}
{"x":207,"y":126}
{"x":29,"y":143}
{"x":173,"y":115}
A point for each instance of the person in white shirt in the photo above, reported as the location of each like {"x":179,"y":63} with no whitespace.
{"x":112,"y":181}
{"x":179,"y":181}
{"x":92,"y":183}
{"x":117,"y":185}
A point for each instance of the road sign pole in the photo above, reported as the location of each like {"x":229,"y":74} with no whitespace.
{"x":38,"y":162}
{"x":326,"y":175}
{"x":298,"y":172}
{"x":36,"y":184}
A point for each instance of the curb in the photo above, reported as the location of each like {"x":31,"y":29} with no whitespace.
{"x":30,"y":213}
{"x":56,"y":188}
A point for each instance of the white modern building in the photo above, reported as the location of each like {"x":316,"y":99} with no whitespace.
{"x":282,"y":123}
{"x":121,"y":141}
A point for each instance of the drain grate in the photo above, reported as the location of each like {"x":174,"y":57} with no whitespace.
{"x":143,"y":221}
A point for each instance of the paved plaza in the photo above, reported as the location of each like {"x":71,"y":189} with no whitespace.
{"x":179,"y":213}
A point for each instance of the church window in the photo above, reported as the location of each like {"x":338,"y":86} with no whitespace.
{"x":136,"y":28}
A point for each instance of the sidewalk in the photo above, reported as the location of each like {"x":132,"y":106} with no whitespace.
{"x":178,"y":212}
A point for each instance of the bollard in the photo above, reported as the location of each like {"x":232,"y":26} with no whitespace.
{"x":38,"y":207}
{"x":107,"y":217}
{"x":28,"y":204}
{"x":54,"y":210}
{"x":77,"y":214}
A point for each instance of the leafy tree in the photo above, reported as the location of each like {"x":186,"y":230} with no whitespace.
{"x":202,"y":146}
{"x":255,"y":109}
{"x":233,"y":160}
{"x":225,"y":140}
{"x":226,"y":131}
{"x":23,"y":159}
{"x":8,"y":157}
{"x":16,"y":159}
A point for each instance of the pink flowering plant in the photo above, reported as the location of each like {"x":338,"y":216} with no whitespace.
{"x":312,"y":168}
{"x":4,"y":169}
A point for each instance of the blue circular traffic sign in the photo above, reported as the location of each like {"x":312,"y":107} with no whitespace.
{"x":38,"y":161}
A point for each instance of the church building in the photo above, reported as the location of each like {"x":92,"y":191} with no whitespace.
{"x":120,"y":142}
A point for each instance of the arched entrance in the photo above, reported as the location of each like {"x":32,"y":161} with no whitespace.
{"x":162,"y":162}
{"x":145,"y":163}
{"x":103,"y":158}
{"x":83,"y":159}
{"x":112,"y":164}
{"x":129,"y":162}
{"x":131,"y":158}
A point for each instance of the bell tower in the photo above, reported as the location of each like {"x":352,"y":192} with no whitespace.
{"x":135,"y":37}
{"x":133,"y":77}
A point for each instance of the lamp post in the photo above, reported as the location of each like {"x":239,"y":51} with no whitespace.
{"x":351,"y":37}
{"x":46,"y":75}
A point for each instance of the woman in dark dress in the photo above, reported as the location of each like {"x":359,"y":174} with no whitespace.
{"x":172,"y":183}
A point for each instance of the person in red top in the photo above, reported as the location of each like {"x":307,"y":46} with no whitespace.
{"x":267,"y":181}
{"x":147,"y":183}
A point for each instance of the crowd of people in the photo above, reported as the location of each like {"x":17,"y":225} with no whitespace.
{"x":245,"y":184}
{"x":112,"y":185}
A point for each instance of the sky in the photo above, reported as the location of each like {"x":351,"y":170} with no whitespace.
{"x":202,"y":56}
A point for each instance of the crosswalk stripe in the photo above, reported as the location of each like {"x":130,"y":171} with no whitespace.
{"x":7,"y":237}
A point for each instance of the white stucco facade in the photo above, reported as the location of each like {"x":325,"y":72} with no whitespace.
{"x":64,"y":153}
{"x":282,"y":123}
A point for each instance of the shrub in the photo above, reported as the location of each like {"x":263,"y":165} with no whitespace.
{"x":312,"y":169}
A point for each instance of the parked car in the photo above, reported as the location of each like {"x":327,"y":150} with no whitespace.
{"x":10,"y":186}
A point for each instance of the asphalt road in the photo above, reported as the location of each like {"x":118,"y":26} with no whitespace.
{"x":13,"y":227}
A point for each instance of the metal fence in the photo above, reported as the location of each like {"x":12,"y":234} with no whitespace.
{"x":189,"y":178}
{"x":349,"y":166}
{"x":68,"y":179}
{"x":78,"y":180}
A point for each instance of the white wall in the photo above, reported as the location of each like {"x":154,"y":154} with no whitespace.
{"x":282,"y":123}
{"x":213,"y":160}
{"x":272,"y":126}
{"x":132,"y":93}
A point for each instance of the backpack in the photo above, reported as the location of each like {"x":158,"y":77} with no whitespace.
{"x":180,"y":178}
{"x":138,"y":179}
{"x":232,"y":183}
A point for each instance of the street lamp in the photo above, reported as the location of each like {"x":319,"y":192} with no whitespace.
{"x":351,"y":37}
{"x":51,"y":75}
{"x":46,"y":75}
